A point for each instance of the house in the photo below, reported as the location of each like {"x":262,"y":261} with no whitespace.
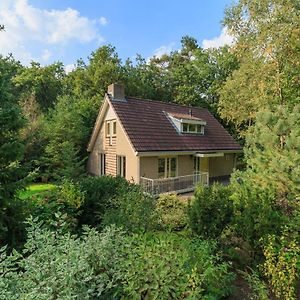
{"x":162,"y":146}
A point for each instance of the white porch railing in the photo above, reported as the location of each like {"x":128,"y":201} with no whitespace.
{"x":179,"y":184}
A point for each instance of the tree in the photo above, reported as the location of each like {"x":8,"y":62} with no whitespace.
{"x":44,"y":83}
{"x":267,"y":46}
{"x":11,"y":153}
{"x":273,"y":153}
{"x":66,"y":130}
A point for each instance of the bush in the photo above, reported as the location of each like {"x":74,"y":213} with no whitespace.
{"x":131,"y":209}
{"x":166,"y":266}
{"x":98,"y":194}
{"x":256,"y":213}
{"x":54,"y":265}
{"x":171,"y":212}
{"x":111,"y":265}
{"x":211,"y":211}
{"x":282,"y":265}
{"x":65,"y":200}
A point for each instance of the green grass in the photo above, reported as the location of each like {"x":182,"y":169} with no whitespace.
{"x":36,"y":189}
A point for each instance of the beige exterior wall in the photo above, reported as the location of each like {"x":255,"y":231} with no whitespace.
{"x":221,"y":166}
{"x":149,"y":167}
{"x":123,"y":147}
{"x":120,"y":146}
{"x":185,"y":165}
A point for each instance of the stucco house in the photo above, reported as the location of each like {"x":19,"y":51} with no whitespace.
{"x":162,"y":146}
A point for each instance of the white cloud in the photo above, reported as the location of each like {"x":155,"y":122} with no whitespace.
{"x":164,"y":49}
{"x":223,"y":39}
{"x":103,"y":21}
{"x":69,"y":68}
{"x":27,"y":26}
{"x":46,"y":55}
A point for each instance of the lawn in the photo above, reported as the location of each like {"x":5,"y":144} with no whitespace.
{"x":36,"y":189}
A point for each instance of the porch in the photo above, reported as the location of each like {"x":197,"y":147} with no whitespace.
{"x":178,"y":184}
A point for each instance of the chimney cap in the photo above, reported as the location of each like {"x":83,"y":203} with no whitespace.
{"x":117,"y":91}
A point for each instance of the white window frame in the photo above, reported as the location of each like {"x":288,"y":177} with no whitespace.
{"x":121,"y":165}
{"x":192,"y":131}
{"x":167,"y":166}
{"x":110,"y":125}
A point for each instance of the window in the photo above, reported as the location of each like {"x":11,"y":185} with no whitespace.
{"x":114,"y":132}
{"x":167,"y":167}
{"x":107,"y":128}
{"x":121,"y":166}
{"x":111,"y":130}
{"x":102,"y":164}
{"x":192,"y":128}
{"x":196,"y":164}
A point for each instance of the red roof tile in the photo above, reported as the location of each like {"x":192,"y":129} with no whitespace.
{"x":149,"y":129}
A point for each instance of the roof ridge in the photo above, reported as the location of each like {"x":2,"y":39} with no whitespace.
{"x":164,"y":102}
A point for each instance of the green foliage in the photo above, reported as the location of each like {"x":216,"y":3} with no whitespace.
{"x":171,"y":212}
{"x":131,"y":209}
{"x":67,"y":131}
{"x":12,"y":172}
{"x":273,"y":154}
{"x":44,"y":83}
{"x":256,"y":213}
{"x":71,"y":194}
{"x":111,"y":265}
{"x":211,"y":211}
{"x":267,"y":46}
{"x":56,"y":265}
{"x":282,"y":265}
{"x":166,"y":266}
{"x":98,"y":194}
{"x":259,"y":290}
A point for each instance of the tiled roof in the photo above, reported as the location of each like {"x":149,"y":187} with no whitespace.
{"x":184,"y":116}
{"x":149,"y":128}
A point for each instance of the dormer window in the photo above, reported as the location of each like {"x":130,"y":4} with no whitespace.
{"x":192,"y":128}
{"x":187,"y":123}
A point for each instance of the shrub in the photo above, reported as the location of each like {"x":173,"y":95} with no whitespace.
{"x":98,"y":193}
{"x":282,"y":265}
{"x":211,"y":211}
{"x":171,"y":212}
{"x":54,"y":265}
{"x":65,"y":200}
{"x":256,"y":213}
{"x":167,"y":266}
{"x":259,"y":290}
{"x":111,"y":265}
{"x":131,"y":209}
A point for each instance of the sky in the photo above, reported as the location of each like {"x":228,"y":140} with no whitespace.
{"x":66,"y":30}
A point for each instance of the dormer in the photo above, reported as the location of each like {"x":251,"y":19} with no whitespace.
{"x":187,"y":123}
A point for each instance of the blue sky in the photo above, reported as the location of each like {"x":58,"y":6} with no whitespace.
{"x":65,"y":30}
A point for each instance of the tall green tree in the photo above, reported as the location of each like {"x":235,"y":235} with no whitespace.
{"x":45,"y":83}
{"x":267,"y":45}
{"x":66,"y":130}
{"x":12,"y":172}
{"x":273,"y":152}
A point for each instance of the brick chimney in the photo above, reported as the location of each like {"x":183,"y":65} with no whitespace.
{"x":116,"y":91}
